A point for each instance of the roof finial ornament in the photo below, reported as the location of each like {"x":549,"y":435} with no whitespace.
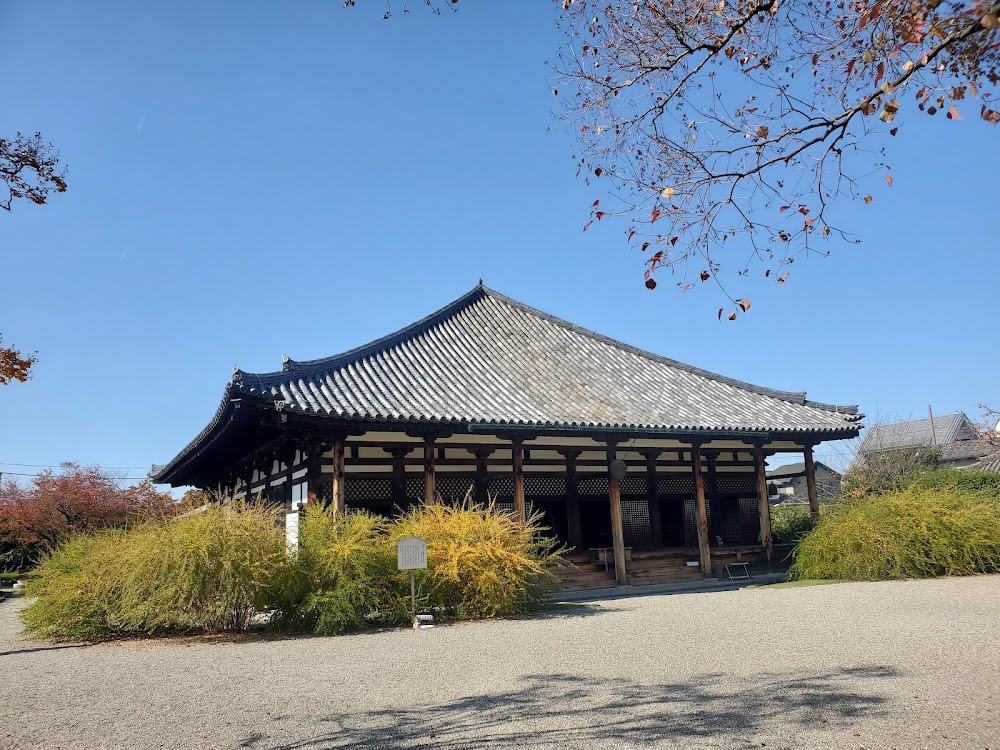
{"x":480,"y":281}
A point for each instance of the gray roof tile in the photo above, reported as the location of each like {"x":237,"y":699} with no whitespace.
{"x":488,"y":359}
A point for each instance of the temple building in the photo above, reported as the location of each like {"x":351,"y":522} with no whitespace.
{"x":624,"y":453}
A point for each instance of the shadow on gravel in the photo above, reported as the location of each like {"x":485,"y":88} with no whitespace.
{"x":30,"y":649}
{"x":566,"y":711}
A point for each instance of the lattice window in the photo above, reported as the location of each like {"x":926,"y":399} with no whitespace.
{"x":415,"y":489}
{"x":367,"y":489}
{"x":635,"y":523}
{"x":453,"y":489}
{"x":501,"y":488}
{"x":633,"y":486}
{"x":324,"y":492}
{"x":750,"y":517}
{"x":736,"y":484}
{"x":593,"y":486}
{"x":682,"y":484}
{"x":545,"y":486}
{"x":691,"y":522}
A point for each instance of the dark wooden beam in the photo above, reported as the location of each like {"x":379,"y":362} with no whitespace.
{"x":482,"y":482}
{"x":429,"y":488}
{"x":398,"y":476}
{"x":811,"y":483}
{"x":574,"y":524}
{"x":338,"y":502}
{"x":704,"y":548}
{"x":617,"y":533}
{"x":763,"y":504}
{"x":517,"y":452}
{"x":653,"y":499}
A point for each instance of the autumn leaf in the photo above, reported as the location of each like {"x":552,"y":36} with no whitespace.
{"x":783,"y":209}
{"x":953,"y":113}
{"x":782,"y":279}
{"x":888,"y":180}
{"x":655,"y":215}
{"x":651,"y":283}
{"x":587,"y":225}
{"x":744,"y":304}
{"x":645,"y":246}
{"x":668,"y":192}
{"x":598,"y":172}
{"x":601,"y":214}
{"x":720,"y":313}
{"x":595,"y":204}
{"x":731,"y":316}
{"x":868,"y":199}
{"x":705,"y":276}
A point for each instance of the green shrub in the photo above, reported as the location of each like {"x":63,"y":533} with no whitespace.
{"x":209,"y":572}
{"x":789,"y":523}
{"x":11,"y":577}
{"x":964,"y":481}
{"x":346,"y":574}
{"x":481,"y":561}
{"x":915,"y":533}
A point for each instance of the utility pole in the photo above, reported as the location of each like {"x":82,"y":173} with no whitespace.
{"x":933,"y":433}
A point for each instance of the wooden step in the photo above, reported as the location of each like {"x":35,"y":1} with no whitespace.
{"x":588,"y":585}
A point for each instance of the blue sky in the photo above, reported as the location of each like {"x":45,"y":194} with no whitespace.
{"x":255,"y":179}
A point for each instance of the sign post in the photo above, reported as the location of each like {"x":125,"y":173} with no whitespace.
{"x":411,"y":554}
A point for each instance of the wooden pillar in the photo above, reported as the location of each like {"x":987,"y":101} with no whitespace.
{"x":617,"y":533}
{"x":398,"y":484}
{"x":653,"y":498}
{"x":704,"y":550}
{"x":573,"y":523}
{"x":337,"y":501}
{"x":429,"y":489}
{"x":287,"y":458}
{"x":247,"y":481}
{"x":314,"y":465}
{"x":712,"y":496}
{"x":811,"y":483}
{"x":482,"y":484}
{"x":762,"y":502}
{"x":517,"y":451}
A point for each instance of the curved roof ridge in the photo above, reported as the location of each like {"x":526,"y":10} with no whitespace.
{"x":795,"y":397}
{"x":311,"y":366}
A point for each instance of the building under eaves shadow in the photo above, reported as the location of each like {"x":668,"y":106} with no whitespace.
{"x":493,"y":397}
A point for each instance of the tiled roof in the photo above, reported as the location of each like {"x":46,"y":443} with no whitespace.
{"x":988,"y":463}
{"x":488,"y":362}
{"x":486,"y":358}
{"x":915,"y":433}
{"x":796,"y":469}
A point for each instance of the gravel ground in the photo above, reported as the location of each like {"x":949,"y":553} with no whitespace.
{"x":878,"y":665}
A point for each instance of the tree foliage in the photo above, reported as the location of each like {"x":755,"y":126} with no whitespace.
{"x":14,"y":365}
{"x":741,"y":121}
{"x":29,"y":169}
{"x":37,"y":518}
{"x":879,"y":472}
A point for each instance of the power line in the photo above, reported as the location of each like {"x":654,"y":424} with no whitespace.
{"x":59,"y":466}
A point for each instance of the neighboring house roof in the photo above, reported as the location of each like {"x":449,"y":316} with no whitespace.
{"x":486,"y":361}
{"x":987,"y":463}
{"x":917,"y":433}
{"x":962,"y":450}
{"x":797,"y":469}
